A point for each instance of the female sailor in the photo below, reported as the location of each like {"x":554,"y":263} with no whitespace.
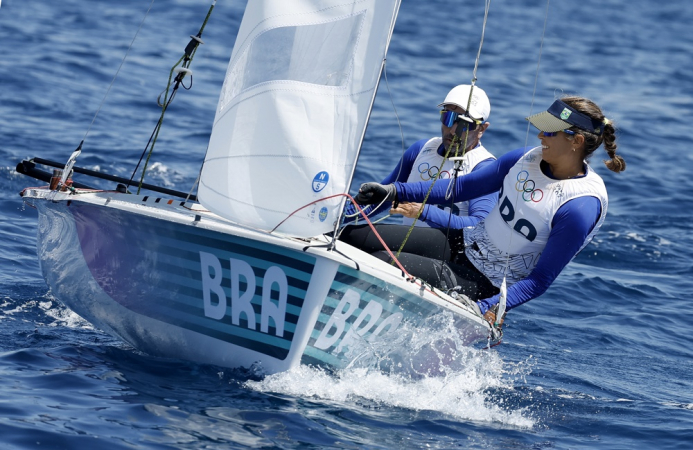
{"x":551,"y":205}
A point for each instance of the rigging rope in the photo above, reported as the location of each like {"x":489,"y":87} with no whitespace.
{"x":399,"y":124}
{"x":503,"y":294}
{"x":370,"y":210}
{"x":118,"y":71}
{"x":181,"y":71}
{"x":455,"y":141}
{"x":73,"y":157}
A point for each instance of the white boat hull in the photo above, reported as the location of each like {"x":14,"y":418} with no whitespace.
{"x":177,"y":281}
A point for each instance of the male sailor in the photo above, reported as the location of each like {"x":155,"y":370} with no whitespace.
{"x":465,"y":111}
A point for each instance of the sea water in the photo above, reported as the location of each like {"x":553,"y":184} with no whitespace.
{"x":601,"y":360}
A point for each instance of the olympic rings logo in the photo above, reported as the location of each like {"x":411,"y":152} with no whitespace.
{"x":526,"y":186}
{"x":428,"y":172}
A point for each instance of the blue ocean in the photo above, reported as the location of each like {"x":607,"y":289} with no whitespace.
{"x":601,"y":360}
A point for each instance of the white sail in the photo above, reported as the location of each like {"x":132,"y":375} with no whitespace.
{"x":293,"y":110}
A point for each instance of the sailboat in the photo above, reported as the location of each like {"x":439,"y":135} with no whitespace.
{"x":247,"y":273}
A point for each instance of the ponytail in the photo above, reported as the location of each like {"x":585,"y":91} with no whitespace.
{"x":616,"y":163}
{"x":593,"y":140}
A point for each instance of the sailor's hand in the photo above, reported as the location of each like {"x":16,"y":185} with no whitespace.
{"x":490,"y":316}
{"x":407,"y":209}
{"x":375,"y":193}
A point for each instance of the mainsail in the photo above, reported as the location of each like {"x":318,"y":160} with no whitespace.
{"x":293,"y":111}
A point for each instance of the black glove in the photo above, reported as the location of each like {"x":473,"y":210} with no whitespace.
{"x":375,"y":193}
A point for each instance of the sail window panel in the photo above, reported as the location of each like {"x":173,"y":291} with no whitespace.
{"x":319,"y":54}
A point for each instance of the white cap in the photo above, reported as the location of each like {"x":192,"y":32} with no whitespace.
{"x":479,"y":108}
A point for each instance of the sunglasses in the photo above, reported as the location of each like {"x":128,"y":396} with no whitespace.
{"x":554,"y":133}
{"x":450,"y":118}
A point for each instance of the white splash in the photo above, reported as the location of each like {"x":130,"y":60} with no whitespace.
{"x":636,"y":237}
{"x":429,"y":372}
{"x":164,"y":174}
{"x":678,"y":405}
{"x":64,"y":317}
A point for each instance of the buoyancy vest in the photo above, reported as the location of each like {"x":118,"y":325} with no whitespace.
{"x":511,"y":239}
{"x":427,"y":165}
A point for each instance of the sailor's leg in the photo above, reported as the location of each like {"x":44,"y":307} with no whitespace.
{"x":428,"y":242}
{"x":445,"y":276}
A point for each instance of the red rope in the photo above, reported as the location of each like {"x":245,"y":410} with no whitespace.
{"x":305,"y":206}
{"x":370,"y":224}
